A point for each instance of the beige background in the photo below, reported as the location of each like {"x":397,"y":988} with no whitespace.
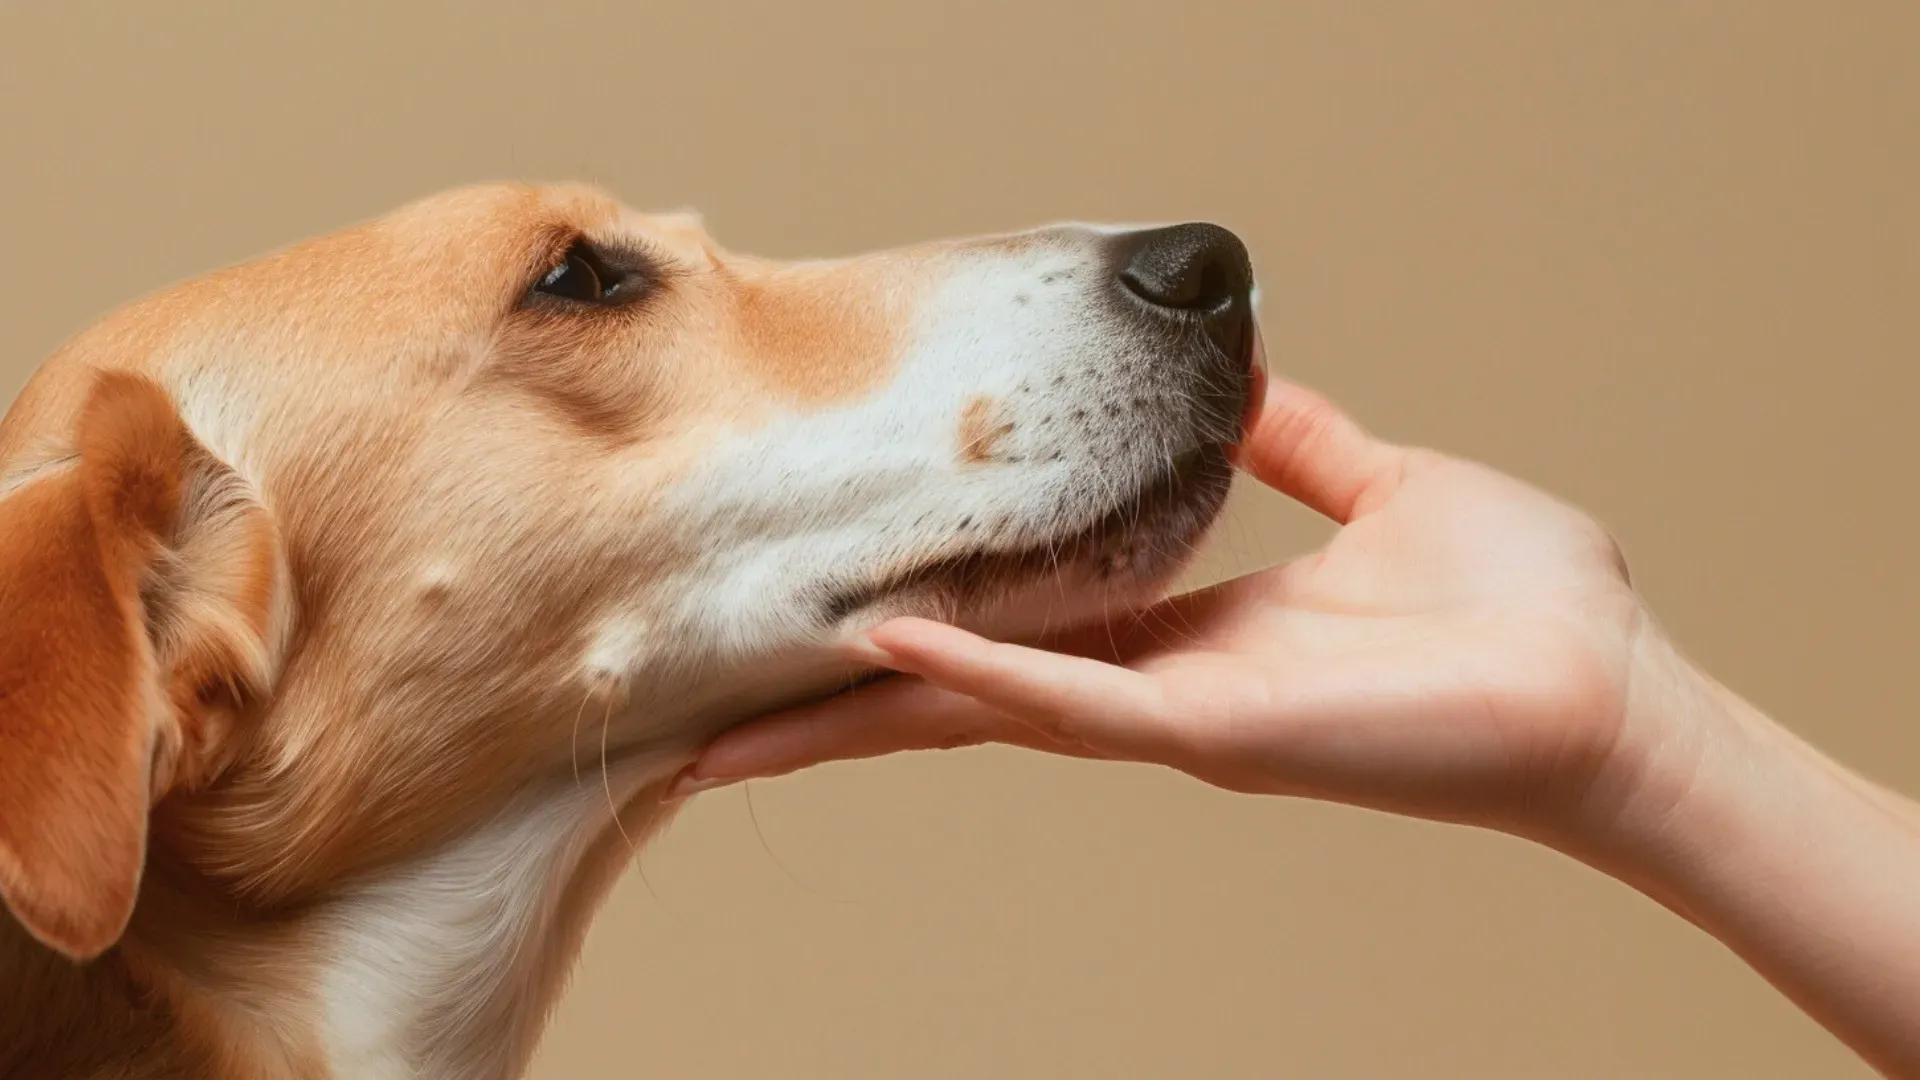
{"x":1661,"y":257}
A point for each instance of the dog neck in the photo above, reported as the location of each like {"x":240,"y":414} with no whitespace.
{"x":444,"y":961}
{"x":444,"y":964}
{"x":449,"y":965}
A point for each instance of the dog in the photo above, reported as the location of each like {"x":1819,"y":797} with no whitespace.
{"x":358,"y":604}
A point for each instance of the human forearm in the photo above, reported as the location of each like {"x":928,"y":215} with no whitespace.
{"x":1806,"y":870}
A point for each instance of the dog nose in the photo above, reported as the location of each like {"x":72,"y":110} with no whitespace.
{"x":1198,"y":268}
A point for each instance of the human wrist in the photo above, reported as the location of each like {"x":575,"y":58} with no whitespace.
{"x":1798,"y":865}
{"x":1704,"y":791}
{"x":1677,"y":775}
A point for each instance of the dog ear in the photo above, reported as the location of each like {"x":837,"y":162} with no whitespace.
{"x":108,"y":654}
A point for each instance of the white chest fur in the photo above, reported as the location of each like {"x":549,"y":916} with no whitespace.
{"x":446,"y":966}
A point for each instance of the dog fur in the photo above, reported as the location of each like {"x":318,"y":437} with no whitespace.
{"x":361,"y":601}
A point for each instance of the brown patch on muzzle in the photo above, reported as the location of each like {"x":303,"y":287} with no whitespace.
{"x":981,"y":430}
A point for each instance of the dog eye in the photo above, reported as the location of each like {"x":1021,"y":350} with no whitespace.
{"x":581,"y":276}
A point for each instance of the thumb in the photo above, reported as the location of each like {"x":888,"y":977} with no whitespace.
{"x":1306,"y":447}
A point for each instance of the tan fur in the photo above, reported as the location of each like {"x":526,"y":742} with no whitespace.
{"x":227,"y":572}
{"x":981,"y":430}
{"x":75,"y":547}
{"x":360,"y":601}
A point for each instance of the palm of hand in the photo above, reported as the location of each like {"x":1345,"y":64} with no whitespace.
{"x":1459,"y":649}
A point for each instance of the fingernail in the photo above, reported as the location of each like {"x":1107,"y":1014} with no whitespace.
{"x":862,"y":648}
{"x":687,"y":784}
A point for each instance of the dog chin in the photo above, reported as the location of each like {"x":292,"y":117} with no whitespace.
{"x":1122,"y":561}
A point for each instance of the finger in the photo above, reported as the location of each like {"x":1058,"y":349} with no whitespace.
{"x":1105,"y":708}
{"x":1303,"y":445}
{"x":883,"y":718}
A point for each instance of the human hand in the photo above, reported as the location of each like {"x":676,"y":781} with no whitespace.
{"x":1464,"y":648}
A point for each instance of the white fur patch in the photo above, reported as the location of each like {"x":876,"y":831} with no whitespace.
{"x":435,"y":964}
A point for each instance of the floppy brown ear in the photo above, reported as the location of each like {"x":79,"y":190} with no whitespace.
{"x":83,"y":706}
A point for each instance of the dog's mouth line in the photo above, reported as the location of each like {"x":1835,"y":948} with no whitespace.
{"x":1194,"y":482}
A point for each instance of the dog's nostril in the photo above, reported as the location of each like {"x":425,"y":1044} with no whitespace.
{"x":1195,"y":272}
{"x":1194,"y":267}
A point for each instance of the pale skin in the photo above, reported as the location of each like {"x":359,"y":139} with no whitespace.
{"x":1465,"y":648}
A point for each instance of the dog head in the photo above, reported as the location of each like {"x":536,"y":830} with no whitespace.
{"x":324,"y":557}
